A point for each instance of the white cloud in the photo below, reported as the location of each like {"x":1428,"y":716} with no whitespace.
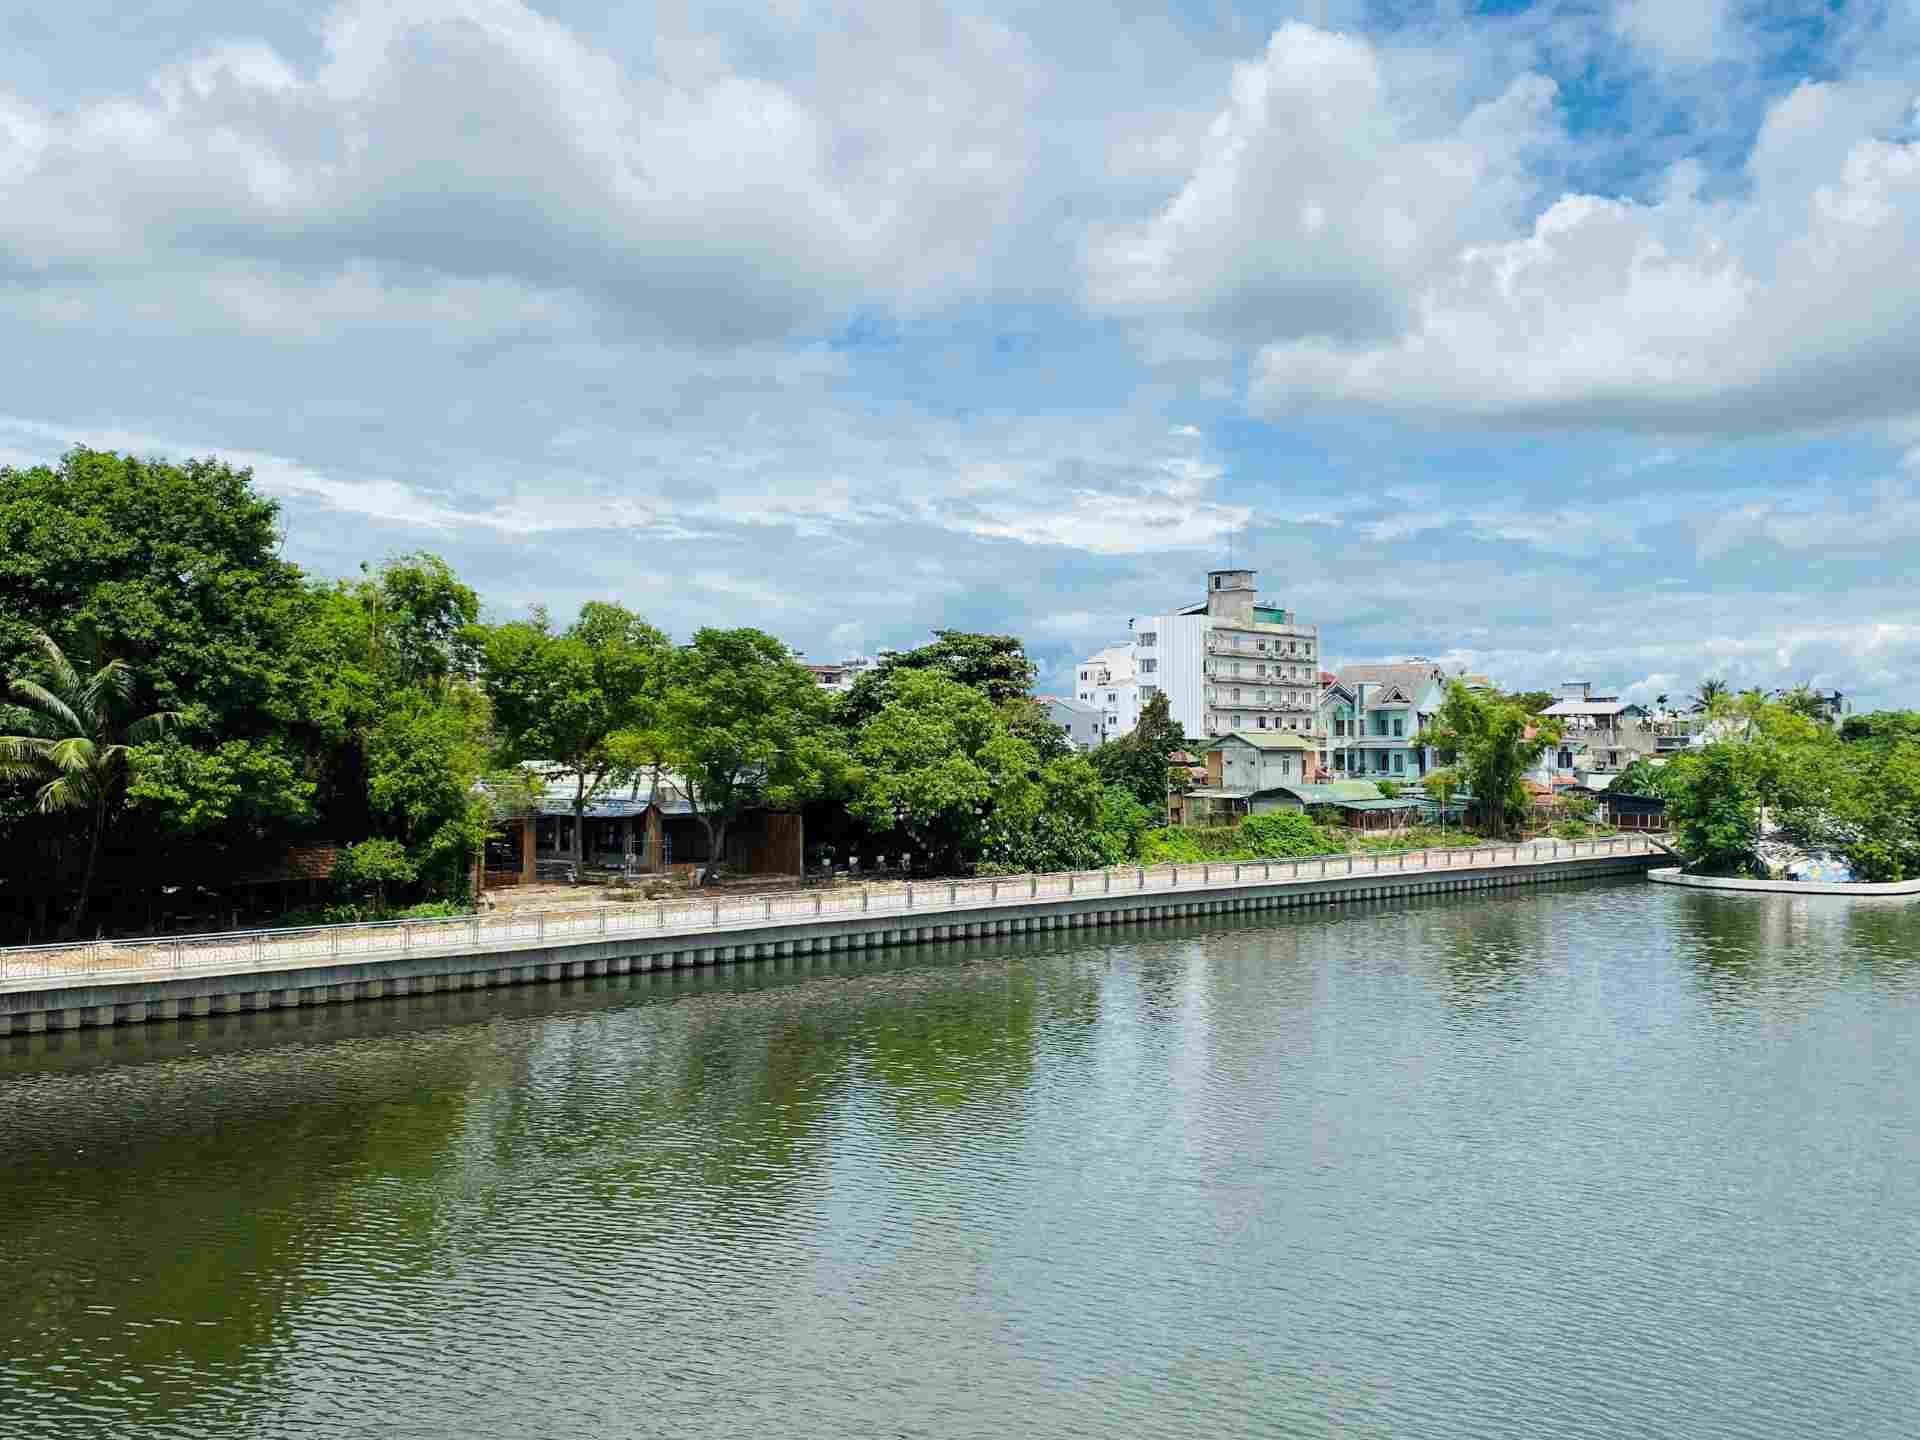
{"x":480,"y":140}
{"x":1680,"y":34}
{"x":1316,"y":200}
{"x":1795,"y":305}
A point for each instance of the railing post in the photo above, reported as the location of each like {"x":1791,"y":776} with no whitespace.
{"x":603,"y":922}
{"x":1106,"y":882}
{"x":953,"y":895}
{"x":660,"y":913}
{"x":333,"y":947}
{"x":179,"y":955}
{"x":816,"y":904}
{"x":406,"y":932}
{"x":909,"y":904}
{"x":866,"y":897}
{"x":1176,"y":877}
{"x":257,"y":946}
{"x":1069,"y":882}
{"x":766,"y":906}
{"x":473,"y":933}
{"x":1033,"y":886}
{"x":1266,"y":869}
{"x":1206,"y":874}
{"x":1143,"y":879}
{"x":1236,"y":874}
{"x":716,"y":914}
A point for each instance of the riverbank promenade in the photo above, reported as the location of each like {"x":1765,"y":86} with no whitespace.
{"x":108,"y":982}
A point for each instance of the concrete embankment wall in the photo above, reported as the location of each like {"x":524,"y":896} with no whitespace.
{"x":58,"y":1004}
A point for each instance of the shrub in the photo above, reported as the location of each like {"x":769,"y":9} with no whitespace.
{"x":1285,"y":834}
{"x":365,"y":872}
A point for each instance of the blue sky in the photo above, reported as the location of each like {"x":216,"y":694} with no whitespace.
{"x":1559,"y":341}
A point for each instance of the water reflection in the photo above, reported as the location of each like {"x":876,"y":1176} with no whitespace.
{"x":1494,"y":1165}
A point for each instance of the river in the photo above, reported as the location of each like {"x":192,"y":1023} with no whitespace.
{"x":1612,"y":1159}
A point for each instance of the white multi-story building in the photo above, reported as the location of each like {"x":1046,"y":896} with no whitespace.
{"x":1230,"y":663}
{"x":1108,"y":682}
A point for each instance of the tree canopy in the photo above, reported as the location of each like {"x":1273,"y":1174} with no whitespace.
{"x":745,"y":726}
{"x":994,"y":665}
{"x":1491,"y":743}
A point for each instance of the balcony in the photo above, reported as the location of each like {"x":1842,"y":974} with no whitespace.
{"x":1301,"y":650}
{"x":1224,"y":701}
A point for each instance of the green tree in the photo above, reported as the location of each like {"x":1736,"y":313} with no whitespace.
{"x":1441,"y":786}
{"x":994,"y":665}
{"x":73,"y":735}
{"x":575,"y":700}
{"x":1028,"y":720}
{"x":1715,"y":810}
{"x":1643,"y":777}
{"x":365,"y":873}
{"x":1492,"y":743}
{"x":1534,"y":702}
{"x":744,"y":726}
{"x":938,"y":766}
{"x":1876,"y":814}
{"x":1138,"y":759}
{"x":1712,"y":693}
{"x":424,"y":763}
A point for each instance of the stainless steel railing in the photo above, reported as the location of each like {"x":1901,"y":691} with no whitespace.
{"x":702,"y":914}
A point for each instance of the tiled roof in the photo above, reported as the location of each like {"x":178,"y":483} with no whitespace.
{"x":1410,"y":678}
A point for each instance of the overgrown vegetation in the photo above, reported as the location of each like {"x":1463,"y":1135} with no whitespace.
{"x":1854,"y":791}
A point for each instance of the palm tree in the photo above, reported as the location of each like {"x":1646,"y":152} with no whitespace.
{"x":1712,"y":691}
{"x":74,"y":739}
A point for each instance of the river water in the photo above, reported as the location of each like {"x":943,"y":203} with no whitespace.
{"x":1608,"y":1160}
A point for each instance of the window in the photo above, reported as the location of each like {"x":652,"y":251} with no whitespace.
{"x":1399,"y":724}
{"x":1260,"y":721}
{"x":1399,"y":762}
{"x":1236,"y":667}
{"x":1236,"y":722}
{"x":1236,"y":693}
{"x":1147,"y":667}
{"x":1216,"y":582}
{"x":1147,"y":692}
{"x":1113,"y":699}
{"x":1261,"y":646}
{"x":1086,"y":675}
{"x":1149,"y":639}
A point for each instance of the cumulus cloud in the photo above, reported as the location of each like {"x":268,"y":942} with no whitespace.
{"x":1315,"y":202}
{"x":482,"y":141}
{"x":1791,"y":305}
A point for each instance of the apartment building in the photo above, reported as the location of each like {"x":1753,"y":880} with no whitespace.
{"x":1231,"y":664}
{"x":1108,"y":682}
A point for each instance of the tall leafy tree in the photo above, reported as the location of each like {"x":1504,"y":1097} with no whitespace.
{"x":994,"y":665}
{"x":574,"y":699}
{"x":938,"y":766}
{"x":1492,"y":743}
{"x":74,"y":735}
{"x":1138,"y":759}
{"x":744,"y":726}
{"x":1713,"y":692}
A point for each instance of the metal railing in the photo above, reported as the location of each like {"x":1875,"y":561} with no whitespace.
{"x":508,"y":930}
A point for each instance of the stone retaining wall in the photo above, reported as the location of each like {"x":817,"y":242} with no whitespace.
{"x":57,"y":1004}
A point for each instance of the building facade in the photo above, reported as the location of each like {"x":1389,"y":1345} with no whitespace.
{"x":1081,"y":721}
{"x":1107,"y":682}
{"x":1373,"y":716}
{"x":1230,"y":665}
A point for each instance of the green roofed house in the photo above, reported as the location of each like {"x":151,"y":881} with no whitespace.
{"x":1259,"y":773}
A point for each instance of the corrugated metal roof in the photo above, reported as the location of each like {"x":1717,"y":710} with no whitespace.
{"x":1265,"y":740}
{"x":1589,"y":707}
{"x":1334,"y":792}
{"x":1383,"y":804}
